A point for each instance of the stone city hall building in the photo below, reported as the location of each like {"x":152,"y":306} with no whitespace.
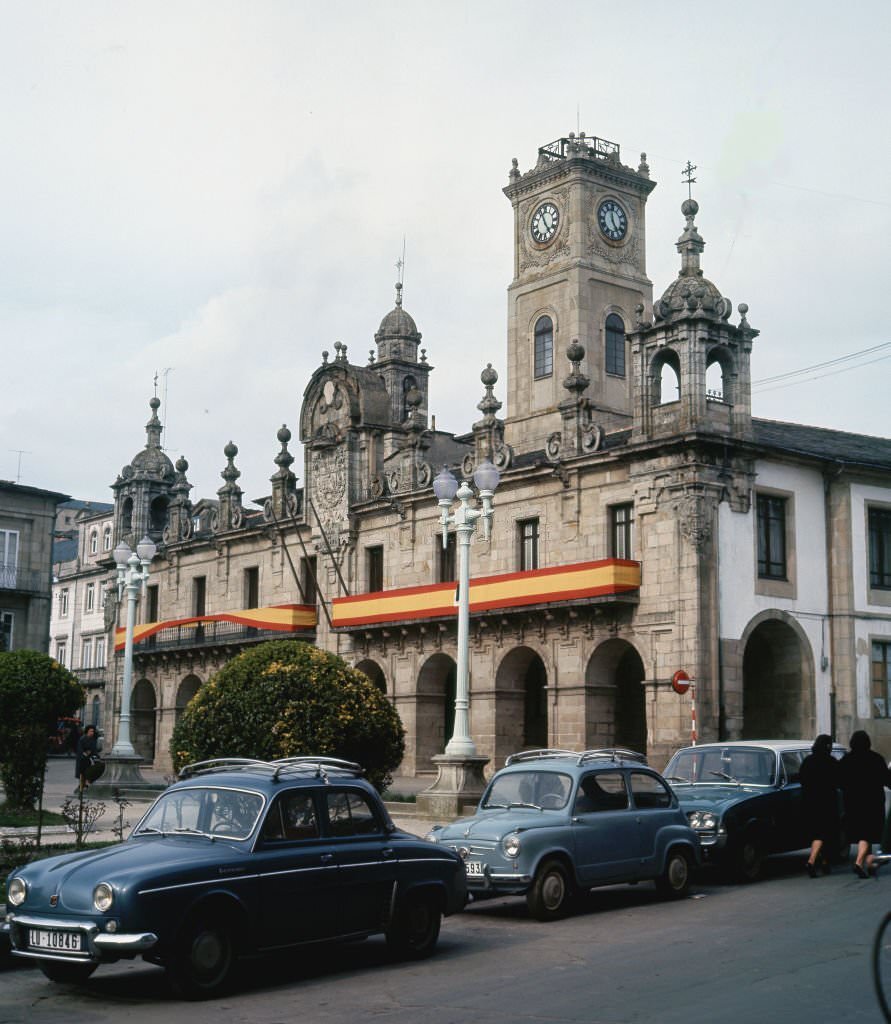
{"x":645,"y":522}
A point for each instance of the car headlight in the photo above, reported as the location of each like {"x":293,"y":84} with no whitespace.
{"x":103,"y":897}
{"x":511,"y":845}
{"x":16,"y":893}
{"x":702,"y":819}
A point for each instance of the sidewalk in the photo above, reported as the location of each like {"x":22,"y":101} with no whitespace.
{"x":60,"y":784}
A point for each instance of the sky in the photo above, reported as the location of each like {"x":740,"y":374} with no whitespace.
{"x":217,"y":191}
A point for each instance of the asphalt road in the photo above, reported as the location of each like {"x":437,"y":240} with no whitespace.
{"x":787,"y":949}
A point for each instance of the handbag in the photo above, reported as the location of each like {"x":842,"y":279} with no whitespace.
{"x":95,"y":768}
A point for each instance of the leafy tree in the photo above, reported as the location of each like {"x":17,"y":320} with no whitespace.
{"x":35,"y":691}
{"x":286,"y":698}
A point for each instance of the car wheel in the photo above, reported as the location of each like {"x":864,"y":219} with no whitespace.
{"x":674,"y":882}
{"x":415,"y":928}
{"x":551,"y":893}
{"x":749,"y":860}
{"x":67,"y":974}
{"x":203,"y":958}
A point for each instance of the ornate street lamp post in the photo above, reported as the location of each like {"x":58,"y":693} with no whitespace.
{"x":132,"y":576}
{"x":460,"y":781}
{"x":122,"y":776}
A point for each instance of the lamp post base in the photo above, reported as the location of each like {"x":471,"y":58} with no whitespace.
{"x":457,"y":790}
{"x":122,"y":777}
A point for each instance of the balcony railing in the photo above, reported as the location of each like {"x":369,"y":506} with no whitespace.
{"x":236,"y":627}
{"x":97,"y":676}
{"x":604,"y":580}
{"x":27,"y":579}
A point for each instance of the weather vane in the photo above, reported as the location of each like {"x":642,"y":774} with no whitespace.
{"x":687,"y":175}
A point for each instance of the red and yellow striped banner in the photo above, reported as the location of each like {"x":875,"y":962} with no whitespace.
{"x":511,"y":590}
{"x":283,"y":618}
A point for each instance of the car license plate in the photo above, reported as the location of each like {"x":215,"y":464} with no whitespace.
{"x":66,"y":942}
{"x":475,"y":868}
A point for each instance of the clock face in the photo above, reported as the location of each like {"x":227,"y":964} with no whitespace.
{"x":545,"y":222}
{"x":612,"y":219}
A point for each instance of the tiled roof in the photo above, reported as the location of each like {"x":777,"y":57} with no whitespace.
{"x":823,"y":443}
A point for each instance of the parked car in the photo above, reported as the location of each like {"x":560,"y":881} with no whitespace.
{"x":553,"y":823}
{"x":238,"y":857}
{"x":743,"y":798}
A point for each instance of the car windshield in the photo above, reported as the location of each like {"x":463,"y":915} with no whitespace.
{"x":751,"y":766}
{"x":203,"y":810}
{"x":544,"y":790}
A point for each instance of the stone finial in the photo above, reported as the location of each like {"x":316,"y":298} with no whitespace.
{"x":230,"y":474}
{"x":153,"y":428}
{"x":489,"y":404}
{"x":371,"y":357}
{"x":743,"y":308}
{"x":284,"y":458}
{"x":229,"y":515}
{"x":577,"y":381}
{"x":643,"y":168}
{"x":398,"y":294}
{"x":324,"y":357}
{"x":514,"y":169}
{"x":423,"y":355}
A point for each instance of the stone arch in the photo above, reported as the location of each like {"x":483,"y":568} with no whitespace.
{"x":435,"y":719}
{"x":521,"y":709}
{"x":615,"y":705}
{"x":186,"y":690}
{"x":375,"y":673}
{"x":158,"y":513}
{"x":720,"y":374}
{"x":665,"y":377}
{"x":778,"y":678}
{"x":127,"y":515}
{"x":143,"y":706}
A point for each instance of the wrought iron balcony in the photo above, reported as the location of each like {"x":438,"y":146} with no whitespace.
{"x":605,"y":581}
{"x":24,"y":578}
{"x":249,"y":625}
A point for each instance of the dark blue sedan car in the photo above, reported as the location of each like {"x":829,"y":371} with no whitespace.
{"x":237,"y":857}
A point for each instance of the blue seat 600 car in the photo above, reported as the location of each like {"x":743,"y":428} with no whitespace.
{"x":237,"y":857}
{"x":553,"y":823}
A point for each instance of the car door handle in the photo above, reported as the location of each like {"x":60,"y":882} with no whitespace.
{"x":326,"y":858}
{"x":388,"y":854}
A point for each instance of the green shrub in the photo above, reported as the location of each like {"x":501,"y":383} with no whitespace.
{"x":286,"y":698}
{"x":35,"y":691}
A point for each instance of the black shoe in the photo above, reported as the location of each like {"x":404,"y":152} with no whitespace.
{"x":811,"y":869}
{"x":859,"y":872}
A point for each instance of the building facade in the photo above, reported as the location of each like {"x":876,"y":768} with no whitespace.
{"x":645,"y":522}
{"x":27,"y":522}
{"x":82,"y":574}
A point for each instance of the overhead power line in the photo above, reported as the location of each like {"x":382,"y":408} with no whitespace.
{"x":829,"y":373}
{"x":820,"y":366}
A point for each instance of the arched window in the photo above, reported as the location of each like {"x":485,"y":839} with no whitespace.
{"x":408,"y":385}
{"x":106,"y":539}
{"x":94,"y":542}
{"x":544,"y":347}
{"x":615,"y":345}
{"x":127,"y":515}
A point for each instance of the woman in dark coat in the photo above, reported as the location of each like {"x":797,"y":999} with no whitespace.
{"x":864,"y":778}
{"x":87,"y":746}
{"x":820,"y":780}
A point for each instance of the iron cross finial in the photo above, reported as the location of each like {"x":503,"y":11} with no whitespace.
{"x":687,"y":175}
{"x":156,"y":383}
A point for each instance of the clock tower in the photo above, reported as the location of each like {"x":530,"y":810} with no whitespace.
{"x":579,"y":275}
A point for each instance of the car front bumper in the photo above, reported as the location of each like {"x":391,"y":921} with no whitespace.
{"x":96,"y":946}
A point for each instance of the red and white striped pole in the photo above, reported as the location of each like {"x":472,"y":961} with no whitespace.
{"x":680,"y":683}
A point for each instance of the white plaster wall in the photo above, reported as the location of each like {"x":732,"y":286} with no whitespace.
{"x":737,"y":568}
{"x":872,"y":621}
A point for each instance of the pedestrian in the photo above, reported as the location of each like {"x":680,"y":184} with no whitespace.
{"x":864,"y":778}
{"x":820,"y":777}
{"x":87,"y":747}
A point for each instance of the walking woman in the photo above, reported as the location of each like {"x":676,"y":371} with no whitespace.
{"x":820,"y":781}
{"x":864,"y":778}
{"x":87,"y":746}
